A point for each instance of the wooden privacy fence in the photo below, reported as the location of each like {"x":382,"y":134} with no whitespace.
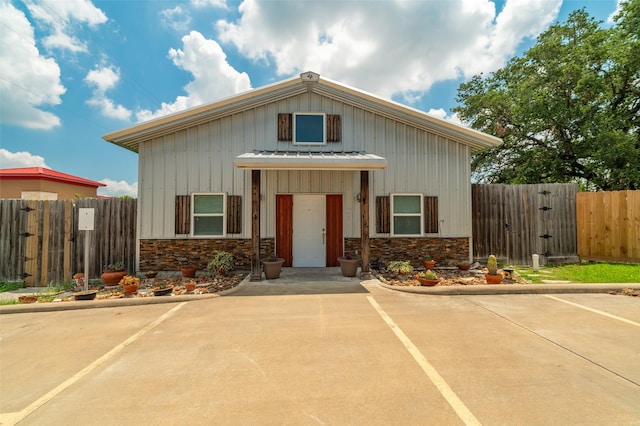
{"x":516,"y":221}
{"x":40,"y":242}
{"x":609,"y":226}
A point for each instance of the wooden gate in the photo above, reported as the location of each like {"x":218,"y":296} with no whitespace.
{"x":516,"y":221}
{"x":40,"y":243}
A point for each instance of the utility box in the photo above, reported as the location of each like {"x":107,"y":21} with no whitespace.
{"x":86,"y":218}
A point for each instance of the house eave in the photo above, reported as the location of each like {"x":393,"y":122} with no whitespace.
{"x":275,"y":160}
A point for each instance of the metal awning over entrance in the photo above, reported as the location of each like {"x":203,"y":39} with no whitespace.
{"x":297,"y":160}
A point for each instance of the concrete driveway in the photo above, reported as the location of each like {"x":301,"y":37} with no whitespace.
{"x":327,"y":353}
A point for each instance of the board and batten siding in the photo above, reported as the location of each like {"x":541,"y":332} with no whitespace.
{"x":200,"y":159}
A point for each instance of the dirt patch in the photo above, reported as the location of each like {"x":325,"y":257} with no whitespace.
{"x":626,"y":292}
{"x":448,"y":277}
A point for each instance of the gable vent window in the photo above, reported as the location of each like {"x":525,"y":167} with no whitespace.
{"x":309,"y":128}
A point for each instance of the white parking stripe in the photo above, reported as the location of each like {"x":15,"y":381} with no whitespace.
{"x":13,"y":418}
{"x":586,"y":308}
{"x":458,"y":406}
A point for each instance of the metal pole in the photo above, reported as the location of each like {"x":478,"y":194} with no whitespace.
{"x":87,"y":239}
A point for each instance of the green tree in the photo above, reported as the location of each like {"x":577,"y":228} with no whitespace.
{"x":567,"y":110}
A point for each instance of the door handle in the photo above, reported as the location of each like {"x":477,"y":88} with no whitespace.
{"x":323,"y":234}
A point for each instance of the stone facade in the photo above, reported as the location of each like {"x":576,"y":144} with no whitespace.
{"x":445,"y":251}
{"x":169,"y":255}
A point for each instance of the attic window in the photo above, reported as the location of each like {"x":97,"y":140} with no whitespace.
{"x":309,"y":128}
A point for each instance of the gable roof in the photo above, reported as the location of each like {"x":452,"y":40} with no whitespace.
{"x":131,"y":137}
{"x":30,"y":173}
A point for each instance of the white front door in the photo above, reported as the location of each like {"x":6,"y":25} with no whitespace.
{"x":309,"y":229}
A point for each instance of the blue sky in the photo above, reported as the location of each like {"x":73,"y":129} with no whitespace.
{"x":73,"y":70}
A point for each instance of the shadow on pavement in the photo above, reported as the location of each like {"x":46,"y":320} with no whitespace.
{"x":294,"y":281}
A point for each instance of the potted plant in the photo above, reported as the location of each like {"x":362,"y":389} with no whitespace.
{"x":113,"y":273}
{"x":493,"y":277}
{"x":130,"y":284}
{"x":272,"y":266}
{"x":429,"y":263}
{"x":190,"y":286}
{"x":401,"y":267}
{"x":464,"y":265}
{"x":221,"y":263}
{"x":188,"y":271}
{"x":151,"y":274}
{"x":162,"y":288}
{"x":349,"y":264}
{"x":427,"y":278}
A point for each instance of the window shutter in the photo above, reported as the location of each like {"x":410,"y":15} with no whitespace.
{"x":234,"y":214}
{"x":383,"y":215}
{"x":285,"y":127}
{"x":334,"y":128}
{"x":431,"y":221}
{"x":183,"y":214}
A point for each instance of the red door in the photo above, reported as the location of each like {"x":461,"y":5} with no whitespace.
{"x":284,"y":228}
{"x":334,"y":228}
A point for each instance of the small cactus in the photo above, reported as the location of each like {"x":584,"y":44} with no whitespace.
{"x":492,"y":265}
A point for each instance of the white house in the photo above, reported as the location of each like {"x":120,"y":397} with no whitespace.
{"x":307,"y":168}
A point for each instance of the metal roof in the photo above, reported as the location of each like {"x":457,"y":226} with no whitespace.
{"x":131,"y":137}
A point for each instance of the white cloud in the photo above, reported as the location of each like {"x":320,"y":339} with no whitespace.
{"x":12,"y":160}
{"x":215,"y":3}
{"x":441,"y":113}
{"x":62,"y":17}
{"x":386,"y":47}
{"x":103,"y":79}
{"x":177,"y":19}
{"x":213,"y":77}
{"x":29,"y":80}
{"x":611,"y":18}
{"x":117,"y":188}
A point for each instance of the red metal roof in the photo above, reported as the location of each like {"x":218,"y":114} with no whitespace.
{"x":46,"y":174}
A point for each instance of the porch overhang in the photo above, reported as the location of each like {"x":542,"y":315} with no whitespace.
{"x":297,"y":160}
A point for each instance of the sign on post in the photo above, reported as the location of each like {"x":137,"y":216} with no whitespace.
{"x":86,"y":223}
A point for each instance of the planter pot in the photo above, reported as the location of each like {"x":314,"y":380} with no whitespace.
{"x":28,"y":299}
{"x":429,"y":264}
{"x":130,"y":288}
{"x":464,"y":266}
{"x":426,"y":282}
{"x":349,"y":267}
{"x":493,"y":279}
{"x":111,"y":278}
{"x":85,"y":295}
{"x":163,"y":291}
{"x":188,"y":271}
{"x":150,"y":275}
{"x":272,"y":268}
{"x":190,"y":286}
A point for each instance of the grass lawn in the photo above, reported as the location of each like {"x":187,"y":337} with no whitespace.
{"x":586,"y":272}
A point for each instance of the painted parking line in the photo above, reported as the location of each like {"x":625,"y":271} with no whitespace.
{"x":13,"y":418}
{"x":586,"y":308}
{"x":458,"y":406}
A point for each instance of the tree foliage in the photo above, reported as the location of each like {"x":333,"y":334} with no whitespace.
{"x":567,"y":110}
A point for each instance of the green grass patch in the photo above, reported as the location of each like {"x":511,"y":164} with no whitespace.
{"x":9,"y":302}
{"x":5,"y":286}
{"x":587,"y":272}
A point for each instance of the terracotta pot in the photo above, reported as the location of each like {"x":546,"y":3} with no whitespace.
{"x":493,"y":279}
{"x":150,"y":274}
{"x":464,"y":266}
{"x":272,"y":268}
{"x":112,"y":278}
{"x":429,"y":264}
{"x":130,"y":288}
{"x":349,"y":267}
{"x":426,"y":282}
{"x":190,"y":286}
{"x":188,"y":271}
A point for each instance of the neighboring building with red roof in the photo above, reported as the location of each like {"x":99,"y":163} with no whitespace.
{"x":39,"y":183}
